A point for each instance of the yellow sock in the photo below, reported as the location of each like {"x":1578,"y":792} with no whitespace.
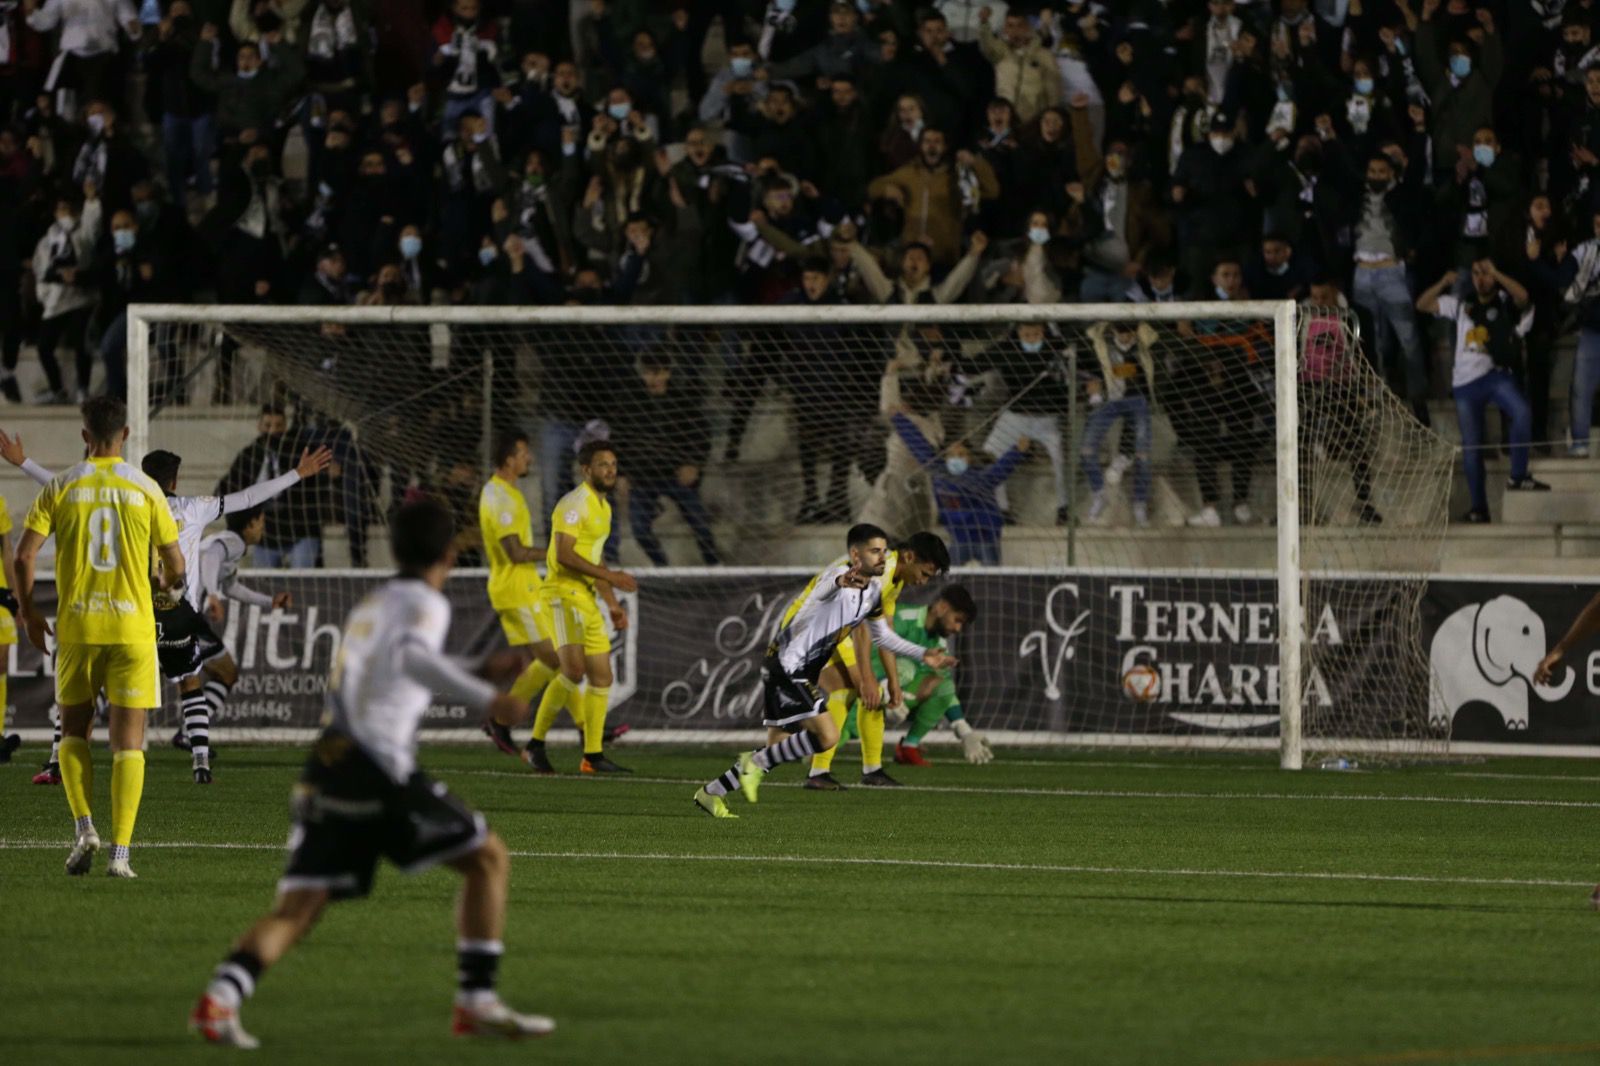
{"x":532,"y":681}
{"x":127,"y":787}
{"x":556,"y":694}
{"x":838,"y":709}
{"x":870,"y":725}
{"x":595,"y":703}
{"x":77,"y":774}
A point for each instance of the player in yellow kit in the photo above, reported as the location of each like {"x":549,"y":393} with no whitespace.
{"x":8,"y":625}
{"x":574,"y":575}
{"x":507,"y":529}
{"x":106,"y":516}
{"x":914,"y":563}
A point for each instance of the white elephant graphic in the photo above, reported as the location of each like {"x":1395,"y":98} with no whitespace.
{"x":1488,"y":652}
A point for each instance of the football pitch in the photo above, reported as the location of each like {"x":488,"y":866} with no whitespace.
{"x":1048,"y":908}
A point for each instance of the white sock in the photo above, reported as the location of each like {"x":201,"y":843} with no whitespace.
{"x":817,"y":773}
{"x":119,"y":853}
{"x":874,"y":768}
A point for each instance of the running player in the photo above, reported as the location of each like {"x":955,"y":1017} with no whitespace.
{"x":507,"y":529}
{"x":106,"y":516}
{"x":574,"y":575}
{"x":919,"y":560}
{"x":796,"y":676}
{"x":361,"y":796}
{"x":186,"y":644}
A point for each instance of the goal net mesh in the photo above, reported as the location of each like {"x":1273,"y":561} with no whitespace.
{"x":1108,"y":489}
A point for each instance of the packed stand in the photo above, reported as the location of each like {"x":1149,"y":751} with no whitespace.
{"x":1432,"y":165}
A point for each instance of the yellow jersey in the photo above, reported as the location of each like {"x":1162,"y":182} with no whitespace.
{"x":8,"y":624}
{"x":106,"y":516}
{"x":585,"y":516}
{"x":503,"y":512}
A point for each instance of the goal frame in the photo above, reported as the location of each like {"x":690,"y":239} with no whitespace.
{"x":1281,"y":314}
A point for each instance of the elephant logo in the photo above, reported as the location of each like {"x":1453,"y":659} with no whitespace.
{"x":1487,"y":653}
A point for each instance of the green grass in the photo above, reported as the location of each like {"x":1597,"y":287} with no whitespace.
{"x":1091,"y":924}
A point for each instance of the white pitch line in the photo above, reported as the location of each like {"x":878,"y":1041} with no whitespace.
{"x":1094,"y":793}
{"x":937,"y":864}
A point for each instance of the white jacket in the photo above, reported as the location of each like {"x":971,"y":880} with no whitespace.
{"x":57,"y":298}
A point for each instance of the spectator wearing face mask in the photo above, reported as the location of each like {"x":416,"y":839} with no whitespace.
{"x":844,"y":52}
{"x":965,"y":491}
{"x":107,"y":159}
{"x":130,"y":269}
{"x":252,"y":93}
{"x":736,"y":81}
{"x":1122,"y":221}
{"x":64,"y":283}
{"x":473,"y":180}
{"x":1483,"y":197}
{"x":1157,"y":281}
{"x":413,"y":269}
{"x":1389,"y":212}
{"x":1212,"y":197}
{"x":1460,"y":75}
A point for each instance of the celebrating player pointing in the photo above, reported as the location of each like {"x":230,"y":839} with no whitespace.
{"x":105,"y":516}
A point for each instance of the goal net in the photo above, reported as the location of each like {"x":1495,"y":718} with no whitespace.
{"x":1137,"y":497}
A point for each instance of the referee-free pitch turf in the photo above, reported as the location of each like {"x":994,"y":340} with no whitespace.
{"x":1050,"y":908}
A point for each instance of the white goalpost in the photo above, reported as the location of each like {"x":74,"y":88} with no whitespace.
{"x":1218,"y":539}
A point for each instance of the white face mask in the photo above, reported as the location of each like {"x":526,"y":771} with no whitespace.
{"x":1278,"y":271}
{"x":1221,"y":145}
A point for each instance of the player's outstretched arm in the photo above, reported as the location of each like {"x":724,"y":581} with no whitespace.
{"x":1583,"y":627}
{"x":11,"y":451}
{"x":885,"y":637}
{"x":312,"y":463}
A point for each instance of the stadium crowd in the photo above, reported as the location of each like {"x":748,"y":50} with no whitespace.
{"x":524,"y":152}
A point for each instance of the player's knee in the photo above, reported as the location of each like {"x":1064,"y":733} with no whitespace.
{"x":493,"y":858}
{"x":600,"y":675}
{"x":224,"y":670}
{"x":301,"y":907}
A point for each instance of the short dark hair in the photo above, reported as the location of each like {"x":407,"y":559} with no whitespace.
{"x":587,"y":453}
{"x":506,"y":445}
{"x":928,"y":547}
{"x":239,"y":521}
{"x":105,"y":418}
{"x":922,"y":246}
{"x":272,"y":409}
{"x":420,"y":535}
{"x":654,"y":360}
{"x":960,"y":599}
{"x":861,"y":533}
{"x":815,"y":264}
{"x":162,"y":467}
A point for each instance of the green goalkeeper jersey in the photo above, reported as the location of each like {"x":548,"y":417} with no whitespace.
{"x":912,"y":624}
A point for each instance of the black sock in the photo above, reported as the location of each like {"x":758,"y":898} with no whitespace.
{"x":594,"y":756}
{"x":535,"y":744}
{"x":239,"y":971}
{"x":476,"y":964}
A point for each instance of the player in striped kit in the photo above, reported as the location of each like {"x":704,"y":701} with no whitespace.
{"x":185,"y":642}
{"x":362,"y":797}
{"x":794,"y":687}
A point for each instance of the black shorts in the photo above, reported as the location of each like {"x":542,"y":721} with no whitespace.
{"x":185,"y":641}
{"x":789,"y":700}
{"x":348,"y":814}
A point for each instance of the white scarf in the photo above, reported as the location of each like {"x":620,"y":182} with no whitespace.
{"x":331,"y":33}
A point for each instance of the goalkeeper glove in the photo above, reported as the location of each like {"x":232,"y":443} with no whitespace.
{"x":973,"y":743}
{"x":896,"y":714}
{"x":8,"y":600}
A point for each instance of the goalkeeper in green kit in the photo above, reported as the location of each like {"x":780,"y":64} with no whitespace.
{"x":929,"y":695}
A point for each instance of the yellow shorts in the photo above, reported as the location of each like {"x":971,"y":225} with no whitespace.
{"x":126,"y":671}
{"x":526,"y":625}
{"x":574,"y":618}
